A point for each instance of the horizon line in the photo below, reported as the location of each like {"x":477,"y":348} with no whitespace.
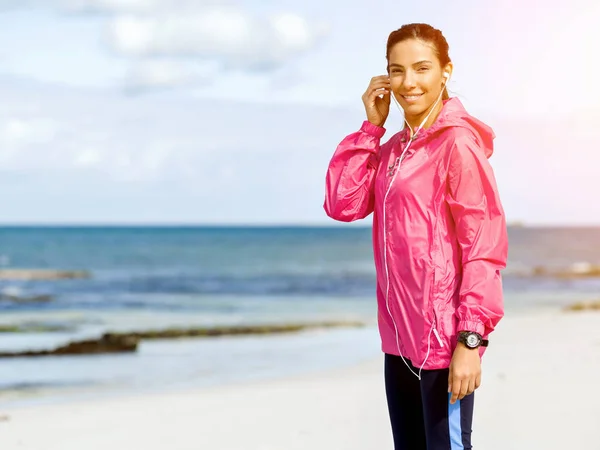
{"x":332,"y":224}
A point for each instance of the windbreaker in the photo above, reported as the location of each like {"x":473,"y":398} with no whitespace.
{"x":439,"y":230}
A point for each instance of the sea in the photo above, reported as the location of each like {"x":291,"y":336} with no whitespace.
{"x":153,"y":278}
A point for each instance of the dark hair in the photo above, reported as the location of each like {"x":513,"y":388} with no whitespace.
{"x":422,"y":32}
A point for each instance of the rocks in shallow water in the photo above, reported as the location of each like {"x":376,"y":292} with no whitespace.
{"x":16,"y":294}
{"x":26,"y":299}
{"x":34,"y":327}
{"x":128,"y":341}
{"x":578,"y":270}
{"x":592,"y":305}
{"x":41,"y":274}
{"x":108,"y":343}
{"x":174,"y":333}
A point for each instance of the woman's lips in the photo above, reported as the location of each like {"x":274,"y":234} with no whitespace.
{"x":412,"y":98}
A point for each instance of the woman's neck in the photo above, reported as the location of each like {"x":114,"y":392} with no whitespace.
{"x":415,"y":121}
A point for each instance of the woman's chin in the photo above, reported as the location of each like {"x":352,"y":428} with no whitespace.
{"x":412,"y":111}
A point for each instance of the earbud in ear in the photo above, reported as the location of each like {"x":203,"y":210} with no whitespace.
{"x":446,"y":75}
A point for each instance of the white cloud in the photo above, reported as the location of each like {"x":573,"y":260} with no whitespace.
{"x":145,"y":139}
{"x":134,"y":6}
{"x":113,"y":158}
{"x":88,"y":157}
{"x":192,"y":31}
{"x":228,"y":35}
{"x":166,"y":158}
{"x":293,"y":30}
{"x":156,"y":74}
{"x":19,"y":133}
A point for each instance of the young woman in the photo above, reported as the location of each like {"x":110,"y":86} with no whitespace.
{"x":439,"y":238}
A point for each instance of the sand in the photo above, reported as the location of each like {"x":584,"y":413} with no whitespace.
{"x":540,"y":390}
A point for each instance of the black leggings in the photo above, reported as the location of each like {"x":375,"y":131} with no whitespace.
{"x":421,"y":415}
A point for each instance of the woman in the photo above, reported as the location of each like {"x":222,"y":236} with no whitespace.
{"x":439,"y":238}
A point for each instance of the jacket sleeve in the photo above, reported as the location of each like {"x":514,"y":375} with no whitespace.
{"x":351,"y":175}
{"x":482,"y":236}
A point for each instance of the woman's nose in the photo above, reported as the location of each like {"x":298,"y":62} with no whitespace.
{"x":408,"y":82}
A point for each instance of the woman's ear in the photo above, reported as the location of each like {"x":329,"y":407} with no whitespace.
{"x":447,"y":73}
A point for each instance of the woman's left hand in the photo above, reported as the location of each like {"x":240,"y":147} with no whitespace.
{"x":465,"y":372}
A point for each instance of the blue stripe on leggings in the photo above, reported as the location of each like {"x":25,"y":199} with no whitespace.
{"x":454,"y":425}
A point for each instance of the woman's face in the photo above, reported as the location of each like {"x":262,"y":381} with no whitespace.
{"x":416,"y":76}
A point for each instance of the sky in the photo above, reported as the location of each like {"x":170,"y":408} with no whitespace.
{"x":228,"y":112}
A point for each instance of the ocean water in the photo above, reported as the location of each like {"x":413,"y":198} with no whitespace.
{"x":156,"y":277}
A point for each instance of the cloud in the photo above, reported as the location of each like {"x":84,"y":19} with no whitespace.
{"x":220,"y":162}
{"x":134,"y":6}
{"x":226,"y":38}
{"x":228,"y":35}
{"x":20,"y":133}
{"x":164,"y":39}
{"x":113,"y":6}
{"x":156,"y":74}
{"x":173,"y":158}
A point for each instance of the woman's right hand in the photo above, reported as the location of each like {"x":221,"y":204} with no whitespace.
{"x":377,"y":108}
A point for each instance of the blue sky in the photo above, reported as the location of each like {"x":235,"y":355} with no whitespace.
{"x":223,"y":111}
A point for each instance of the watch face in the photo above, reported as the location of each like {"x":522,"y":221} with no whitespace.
{"x":472,"y":340}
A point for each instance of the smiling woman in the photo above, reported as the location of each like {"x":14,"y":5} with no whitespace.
{"x":439,"y":237}
{"x":417,"y":61}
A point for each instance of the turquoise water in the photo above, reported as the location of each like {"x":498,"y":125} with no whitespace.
{"x":154,"y":277}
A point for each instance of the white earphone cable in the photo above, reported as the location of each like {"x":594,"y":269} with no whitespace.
{"x":396,"y":168}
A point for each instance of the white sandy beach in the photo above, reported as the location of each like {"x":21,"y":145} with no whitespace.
{"x":540,"y":390}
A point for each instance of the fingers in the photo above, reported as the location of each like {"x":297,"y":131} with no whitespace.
{"x":378,"y":84}
{"x":380,"y":78}
{"x":464,"y":374}
{"x":387,"y":97}
{"x":471,"y":387}
{"x":380,"y":94}
{"x":377,"y":99}
{"x":455,"y":389}
{"x":460,"y":387}
{"x":463,"y":387}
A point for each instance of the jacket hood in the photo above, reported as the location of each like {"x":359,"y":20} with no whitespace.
{"x":454,"y":114}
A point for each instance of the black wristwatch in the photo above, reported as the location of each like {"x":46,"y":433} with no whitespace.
{"x":472,"y":339}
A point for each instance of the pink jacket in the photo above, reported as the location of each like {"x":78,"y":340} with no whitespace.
{"x":439,"y":230}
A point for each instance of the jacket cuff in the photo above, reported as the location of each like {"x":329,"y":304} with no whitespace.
{"x":372,"y":130}
{"x":466,"y":325}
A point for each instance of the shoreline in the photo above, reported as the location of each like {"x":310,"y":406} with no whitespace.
{"x":539,"y":391}
{"x":314,"y":343}
{"x":264,"y":356}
